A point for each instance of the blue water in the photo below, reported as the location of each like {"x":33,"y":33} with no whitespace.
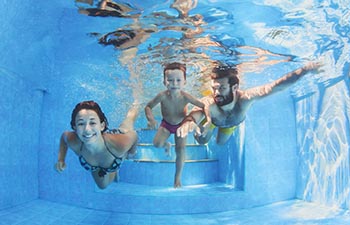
{"x":288,"y":163}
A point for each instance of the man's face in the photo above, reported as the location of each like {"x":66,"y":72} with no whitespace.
{"x":222,"y":92}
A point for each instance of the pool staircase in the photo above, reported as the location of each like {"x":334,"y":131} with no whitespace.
{"x":151,"y":166}
{"x":146,"y":183}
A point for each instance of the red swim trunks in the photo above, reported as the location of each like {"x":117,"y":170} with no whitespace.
{"x":171,"y":128}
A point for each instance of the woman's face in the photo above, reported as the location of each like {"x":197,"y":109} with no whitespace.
{"x":88,"y":126}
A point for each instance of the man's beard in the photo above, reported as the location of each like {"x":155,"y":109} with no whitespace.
{"x":223,"y":100}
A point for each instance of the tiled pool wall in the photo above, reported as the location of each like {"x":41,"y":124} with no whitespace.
{"x":20,"y":110}
{"x":27,"y":54}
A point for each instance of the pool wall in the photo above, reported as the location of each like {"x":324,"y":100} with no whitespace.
{"x":20,"y":113}
{"x":25,"y":65}
{"x":323,"y":128}
{"x":45,"y":72}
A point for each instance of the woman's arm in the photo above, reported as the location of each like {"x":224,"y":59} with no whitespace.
{"x":121,"y":143}
{"x":62,"y":152}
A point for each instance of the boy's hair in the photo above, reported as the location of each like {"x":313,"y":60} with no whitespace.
{"x":226,"y":71}
{"x":175,"y":66}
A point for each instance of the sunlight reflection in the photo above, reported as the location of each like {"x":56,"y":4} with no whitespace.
{"x":311,"y":211}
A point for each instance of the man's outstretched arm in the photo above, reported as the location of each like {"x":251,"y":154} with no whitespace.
{"x":282,"y":83}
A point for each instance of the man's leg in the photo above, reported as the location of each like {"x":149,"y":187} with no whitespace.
{"x":224,"y":134}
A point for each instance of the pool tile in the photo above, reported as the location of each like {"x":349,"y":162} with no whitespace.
{"x":294,"y":212}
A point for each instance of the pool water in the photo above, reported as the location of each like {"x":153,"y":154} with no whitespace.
{"x":286,"y":164}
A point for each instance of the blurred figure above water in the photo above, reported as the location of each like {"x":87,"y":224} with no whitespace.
{"x":106,"y":8}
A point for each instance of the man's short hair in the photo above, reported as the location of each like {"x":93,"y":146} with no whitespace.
{"x":226,"y":71}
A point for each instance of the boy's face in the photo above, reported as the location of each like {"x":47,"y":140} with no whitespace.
{"x":174,"y":80}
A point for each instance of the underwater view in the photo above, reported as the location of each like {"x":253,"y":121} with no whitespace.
{"x":175,"y":112}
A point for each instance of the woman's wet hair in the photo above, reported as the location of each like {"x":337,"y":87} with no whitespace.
{"x":91,"y":105}
{"x":175,"y":66}
{"x":226,"y":71}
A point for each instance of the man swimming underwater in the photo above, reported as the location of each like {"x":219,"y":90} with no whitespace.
{"x":228,"y":105}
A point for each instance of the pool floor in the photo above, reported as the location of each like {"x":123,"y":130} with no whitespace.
{"x":41,"y":212}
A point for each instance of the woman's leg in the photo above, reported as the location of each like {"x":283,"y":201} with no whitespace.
{"x":104,"y":181}
{"x":128,"y":140}
{"x":130,"y":118}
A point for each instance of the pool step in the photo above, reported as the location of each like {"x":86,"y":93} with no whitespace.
{"x":145,"y":199}
{"x":146,"y":151}
{"x":147,"y":136}
{"x":161,"y":173}
{"x":151,"y":166}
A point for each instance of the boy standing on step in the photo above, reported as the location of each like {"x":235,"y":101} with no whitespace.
{"x":173,"y":102}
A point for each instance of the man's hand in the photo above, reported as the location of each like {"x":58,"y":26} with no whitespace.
{"x":188,"y":127}
{"x":206,"y":128}
{"x":152,"y":124}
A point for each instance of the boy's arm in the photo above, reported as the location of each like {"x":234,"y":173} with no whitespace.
{"x":152,"y":123}
{"x":281,"y":83}
{"x":199,"y":104}
{"x":205,"y":111}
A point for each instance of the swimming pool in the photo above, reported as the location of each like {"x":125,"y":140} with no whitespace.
{"x":293,"y":145}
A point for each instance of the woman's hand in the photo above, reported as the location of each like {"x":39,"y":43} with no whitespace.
{"x":60,"y":166}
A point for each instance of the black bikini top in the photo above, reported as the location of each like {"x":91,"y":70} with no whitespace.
{"x":102,"y":171}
